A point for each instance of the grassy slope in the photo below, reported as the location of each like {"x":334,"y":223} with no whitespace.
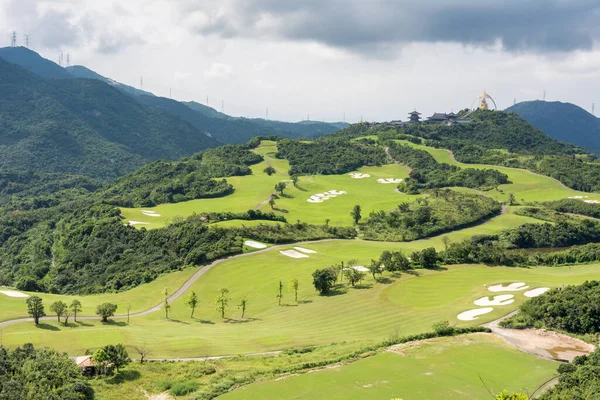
{"x":525,"y":185}
{"x":438,"y":369}
{"x":141,"y":298}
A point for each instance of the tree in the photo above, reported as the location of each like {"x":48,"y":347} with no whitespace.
{"x":446,"y":241}
{"x":143,"y":352}
{"x":106,"y":310}
{"x":355,"y":214}
{"x":428,"y":258}
{"x":100,"y":358}
{"x":295,"y":180}
{"x":354,"y":276}
{"x":166,"y":304}
{"x":511,"y":199}
{"x":375,"y":268}
{"x":511,"y":396}
{"x":222,"y":301}
{"x":67,"y":314}
{"x":294,"y":285}
{"x":35,"y":308}
{"x":243,"y":304}
{"x":324,"y":279}
{"x":75,"y":308}
{"x":269,"y":170}
{"x":280,"y":187}
{"x":280,"y":295}
{"x":272,"y":201}
{"x":59,"y":308}
{"x":117,"y":355}
{"x":192,"y":302}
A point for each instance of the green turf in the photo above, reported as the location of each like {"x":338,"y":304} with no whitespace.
{"x":435,"y":369}
{"x":141,"y":298}
{"x":237,"y":223}
{"x":525,"y":185}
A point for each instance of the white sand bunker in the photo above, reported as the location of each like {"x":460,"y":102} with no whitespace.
{"x":293,"y":254}
{"x":150,"y":213}
{"x":12,"y":293}
{"x":359,"y":268}
{"x":138,"y":223}
{"x":577,"y":197}
{"x":501,"y":300}
{"x":305,"y":251}
{"x":358,"y":175}
{"x":472,"y":315}
{"x":388,"y":180}
{"x":536,"y":292}
{"x":592,"y":201}
{"x":321,"y":197}
{"x":255,"y":245}
{"x":513,"y":287}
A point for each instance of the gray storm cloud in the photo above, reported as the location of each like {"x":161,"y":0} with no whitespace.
{"x":359,"y":25}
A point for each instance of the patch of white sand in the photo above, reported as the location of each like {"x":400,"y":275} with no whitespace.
{"x":150,"y":213}
{"x":293,"y":254}
{"x":255,"y":245}
{"x":12,"y":293}
{"x":592,"y":201}
{"x":359,"y":268}
{"x":577,"y":197}
{"x":536,"y":292}
{"x":388,"y":180}
{"x":321,"y":197}
{"x":306,"y":251}
{"x":138,"y":223}
{"x":358,"y":175}
{"x":501,"y":300}
{"x":472,"y":315}
{"x":513,"y":287}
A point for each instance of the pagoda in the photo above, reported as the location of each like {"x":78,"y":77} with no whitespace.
{"x":414,"y":117}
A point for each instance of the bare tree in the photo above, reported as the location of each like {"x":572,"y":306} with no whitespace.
{"x":143,"y":351}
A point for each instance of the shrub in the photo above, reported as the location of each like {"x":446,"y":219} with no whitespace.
{"x":183,"y":388}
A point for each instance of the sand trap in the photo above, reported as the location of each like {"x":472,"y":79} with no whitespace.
{"x":150,"y":213}
{"x":321,"y":197}
{"x":513,"y":287}
{"x":577,"y":197}
{"x":472,"y":315}
{"x":358,"y":175}
{"x":592,"y":201}
{"x":306,"y":251}
{"x":501,"y":300}
{"x":138,"y":223}
{"x":536,"y":292}
{"x":293,"y":254}
{"x":12,"y":293}
{"x":359,"y":268}
{"x":255,"y":245}
{"x":388,"y":180}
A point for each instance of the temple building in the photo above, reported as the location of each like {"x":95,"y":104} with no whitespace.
{"x":414,"y":117}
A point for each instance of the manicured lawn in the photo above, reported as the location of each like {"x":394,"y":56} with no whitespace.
{"x":140,"y":298}
{"x":409,"y":303}
{"x":237,"y":223}
{"x":435,"y":369}
{"x":525,"y":185}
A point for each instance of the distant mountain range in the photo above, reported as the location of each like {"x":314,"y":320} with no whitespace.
{"x":565,"y":122}
{"x":74,"y":120}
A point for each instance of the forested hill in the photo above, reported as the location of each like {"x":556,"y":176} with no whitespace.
{"x":33,"y":62}
{"x":79,"y":71}
{"x":84,"y":126}
{"x":562,"y":121}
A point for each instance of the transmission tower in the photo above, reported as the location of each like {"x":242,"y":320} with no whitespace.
{"x":61,"y":59}
{"x":593,"y":108}
{"x":68,"y":60}
{"x":207,"y":101}
{"x":544,"y":94}
{"x":222,"y":106}
{"x":141,"y":83}
{"x":27,"y":41}
{"x":13,"y":39}
{"x":170,"y":93}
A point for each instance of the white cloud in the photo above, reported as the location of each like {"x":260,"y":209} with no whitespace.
{"x":218,"y":70}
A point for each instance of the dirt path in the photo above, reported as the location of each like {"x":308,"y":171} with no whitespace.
{"x":547,"y":344}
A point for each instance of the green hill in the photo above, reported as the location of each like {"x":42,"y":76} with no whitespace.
{"x":79,"y":71}
{"x":84,"y":126}
{"x":33,"y":62}
{"x":565,"y":122}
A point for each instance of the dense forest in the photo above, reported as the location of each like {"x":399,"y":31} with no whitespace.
{"x":329,"y":155}
{"x":577,"y":380}
{"x":442,"y":211}
{"x":427,"y":173}
{"x":187,"y":179}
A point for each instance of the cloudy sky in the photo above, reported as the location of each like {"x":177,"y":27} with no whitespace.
{"x":377,"y":59}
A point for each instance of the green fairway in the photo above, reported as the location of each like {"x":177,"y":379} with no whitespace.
{"x":525,"y":185}
{"x":140,"y":298}
{"x":410,"y":303}
{"x":237,"y":223}
{"x":435,"y":369}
